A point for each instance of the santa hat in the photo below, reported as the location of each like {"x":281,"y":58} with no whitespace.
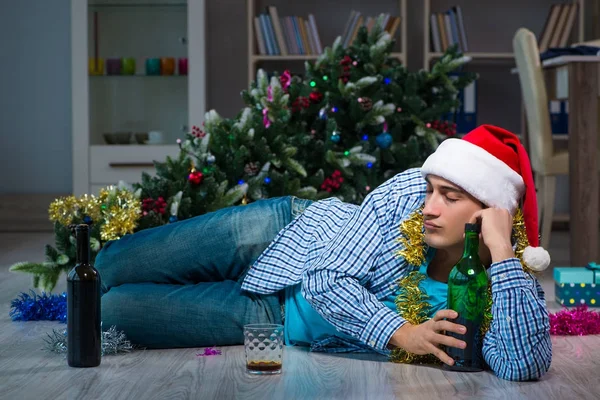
{"x":491,"y":164}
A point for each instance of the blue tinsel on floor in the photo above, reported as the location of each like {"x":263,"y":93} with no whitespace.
{"x":38,"y":307}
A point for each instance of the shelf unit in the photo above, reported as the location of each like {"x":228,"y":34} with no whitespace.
{"x":137,"y":103}
{"x":254,"y":59}
{"x":430,"y":56}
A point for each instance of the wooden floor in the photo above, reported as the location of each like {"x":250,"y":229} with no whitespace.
{"x":29,"y":372}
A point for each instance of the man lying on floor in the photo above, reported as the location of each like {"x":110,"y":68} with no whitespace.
{"x":331,"y":270}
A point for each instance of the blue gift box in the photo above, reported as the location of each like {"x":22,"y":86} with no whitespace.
{"x":578,"y":285}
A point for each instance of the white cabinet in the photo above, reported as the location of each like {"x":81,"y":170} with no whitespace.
{"x":110,"y":94}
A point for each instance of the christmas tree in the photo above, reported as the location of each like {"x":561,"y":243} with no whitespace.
{"x":354,"y":120}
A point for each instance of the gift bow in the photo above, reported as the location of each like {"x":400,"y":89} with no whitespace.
{"x":593,"y":266}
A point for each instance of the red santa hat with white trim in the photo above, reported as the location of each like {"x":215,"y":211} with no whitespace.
{"x":491,"y":164}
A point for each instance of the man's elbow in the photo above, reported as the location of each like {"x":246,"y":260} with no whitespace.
{"x":530,"y":368}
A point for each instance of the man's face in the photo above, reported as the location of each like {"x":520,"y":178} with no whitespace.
{"x":447,"y":209}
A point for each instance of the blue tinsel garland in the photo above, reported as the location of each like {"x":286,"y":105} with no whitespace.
{"x":36,"y":307}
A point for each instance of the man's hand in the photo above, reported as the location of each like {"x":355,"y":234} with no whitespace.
{"x":426,"y":337}
{"x":496,"y":228}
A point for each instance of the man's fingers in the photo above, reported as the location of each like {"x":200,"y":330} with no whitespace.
{"x":476,"y":217}
{"x":450,"y":327}
{"x":441,"y":354}
{"x":440,"y":315}
{"x":449,"y":341}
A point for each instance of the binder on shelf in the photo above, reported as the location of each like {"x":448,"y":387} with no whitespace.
{"x":465,"y":116}
{"x":467,"y":120}
{"x":559,"y":117}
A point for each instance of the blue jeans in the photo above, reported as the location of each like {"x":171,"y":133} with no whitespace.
{"x":178,"y":285}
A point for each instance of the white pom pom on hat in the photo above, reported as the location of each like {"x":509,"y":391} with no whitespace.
{"x":491,"y":164}
{"x":536,"y":258}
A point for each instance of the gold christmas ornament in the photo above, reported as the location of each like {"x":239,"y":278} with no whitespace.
{"x":412,"y":305}
{"x":115,"y":210}
{"x":65,"y":209}
{"x":120,"y":211}
{"x":412,"y":239}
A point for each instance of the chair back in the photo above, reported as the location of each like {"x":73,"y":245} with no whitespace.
{"x":535,"y":96}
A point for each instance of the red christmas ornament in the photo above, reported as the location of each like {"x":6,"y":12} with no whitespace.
{"x":345,"y":63}
{"x":445,"y":127}
{"x":159,"y":205}
{"x":346,"y":60}
{"x":300,"y":103}
{"x":316,"y":97}
{"x":333,"y":182}
{"x":197,"y":132}
{"x":195,"y":177}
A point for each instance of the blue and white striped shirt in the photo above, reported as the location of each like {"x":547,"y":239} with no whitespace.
{"x":345,"y":257}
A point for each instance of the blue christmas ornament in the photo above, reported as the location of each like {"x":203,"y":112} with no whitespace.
{"x":267,"y":180}
{"x":384,"y":140}
{"x":173,"y":219}
{"x":335,"y":137}
{"x":323,"y":113}
{"x":387,"y":81}
{"x":87,"y":219}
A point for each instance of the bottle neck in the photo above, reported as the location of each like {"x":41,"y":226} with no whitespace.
{"x":471,"y":244}
{"x":83,"y":246}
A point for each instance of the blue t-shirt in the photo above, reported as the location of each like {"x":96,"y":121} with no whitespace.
{"x":303,"y":325}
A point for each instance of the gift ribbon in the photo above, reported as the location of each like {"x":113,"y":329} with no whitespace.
{"x":594,"y":267}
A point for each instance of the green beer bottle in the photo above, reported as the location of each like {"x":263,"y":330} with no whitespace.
{"x":468,"y":296}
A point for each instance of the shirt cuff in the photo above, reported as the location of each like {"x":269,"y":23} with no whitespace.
{"x":380,"y":328}
{"x":508,"y":274}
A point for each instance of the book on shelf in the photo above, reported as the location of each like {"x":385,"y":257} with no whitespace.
{"x":286,"y":35}
{"x":448,"y":29}
{"x":356,"y":20}
{"x":558,"y":26}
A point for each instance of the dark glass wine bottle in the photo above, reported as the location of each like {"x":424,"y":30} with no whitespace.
{"x":468,"y":296}
{"x":84,"y":336}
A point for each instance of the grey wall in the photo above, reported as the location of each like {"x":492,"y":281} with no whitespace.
{"x":35,"y":96}
{"x":35,"y":121}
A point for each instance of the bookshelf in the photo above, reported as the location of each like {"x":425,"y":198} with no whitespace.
{"x":429,"y":56}
{"x":255,"y":58}
{"x":135,"y":103}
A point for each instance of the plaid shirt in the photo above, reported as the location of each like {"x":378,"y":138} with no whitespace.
{"x":345,"y":257}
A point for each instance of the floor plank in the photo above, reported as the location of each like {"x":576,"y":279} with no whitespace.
{"x":28,"y":372}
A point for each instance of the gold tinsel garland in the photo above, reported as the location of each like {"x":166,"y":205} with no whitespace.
{"x":412,"y":302}
{"x":115,"y":210}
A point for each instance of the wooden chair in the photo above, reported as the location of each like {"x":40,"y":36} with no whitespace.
{"x":546,"y":162}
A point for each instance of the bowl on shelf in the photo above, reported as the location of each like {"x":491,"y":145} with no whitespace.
{"x":117,"y":137}
{"x":141,"y":137}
